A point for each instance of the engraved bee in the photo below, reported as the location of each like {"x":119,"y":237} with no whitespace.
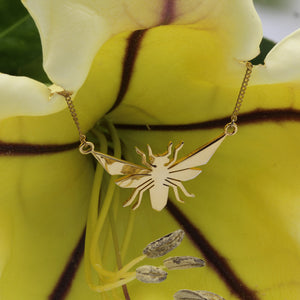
{"x":160,"y":173}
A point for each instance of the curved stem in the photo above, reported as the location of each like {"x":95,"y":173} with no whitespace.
{"x":93,"y":209}
{"x":96,"y":220}
{"x":110,"y":286}
{"x":94,"y":250}
{"x":128,"y":234}
{"x":97,"y":265}
{"x":126,"y":268}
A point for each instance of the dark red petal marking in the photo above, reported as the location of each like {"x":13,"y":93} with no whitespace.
{"x":168,"y":12}
{"x":64,"y":283}
{"x":256,"y":116}
{"x":133,"y":46}
{"x":213,"y":257}
{"x":15,"y":149}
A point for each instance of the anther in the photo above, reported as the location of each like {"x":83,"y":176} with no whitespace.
{"x":164,"y":245}
{"x":196,"y":295}
{"x":150,"y":274}
{"x":183,"y":262}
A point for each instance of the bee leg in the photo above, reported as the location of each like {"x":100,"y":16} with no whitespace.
{"x":137,"y":191}
{"x":177,"y":148}
{"x":175,"y":189}
{"x":176,"y":183}
{"x":181,"y":186}
{"x":137,"y":204}
{"x":132,"y":197}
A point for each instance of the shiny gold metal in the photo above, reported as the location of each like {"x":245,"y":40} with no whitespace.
{"x":86,"y":147}
{"x":158,"y":175}
{"x":68,"y":97}
{"x":231,"y":128}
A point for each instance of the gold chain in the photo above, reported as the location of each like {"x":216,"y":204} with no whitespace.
{"x":230,"y":128}
{"x":68,"y":97}
{"x":242,"y":92}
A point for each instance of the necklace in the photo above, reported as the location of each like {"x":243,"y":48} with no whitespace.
{"x":161,"y":172}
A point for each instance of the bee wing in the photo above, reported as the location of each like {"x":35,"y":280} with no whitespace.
{"x":134,"y":180}
{"x":184,"y":174}
{"x":199,"y":157}
{"x":115,"y":166}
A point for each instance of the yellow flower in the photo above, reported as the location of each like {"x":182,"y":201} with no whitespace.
{"x":180,"y":80}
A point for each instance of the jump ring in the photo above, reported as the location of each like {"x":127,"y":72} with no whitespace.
{"x":230,"y":128}
{"x":86,"y":148}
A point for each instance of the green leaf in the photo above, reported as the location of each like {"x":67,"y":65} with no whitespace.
{"x":20,"y":45}
{"x":265,"y":47}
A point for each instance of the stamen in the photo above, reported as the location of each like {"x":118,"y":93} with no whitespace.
{"x":131,"y":265}
{"x":164,"y":245}
{"x":117,"y":248}
{"x":128,"y":233}
{"x":196,"y":295}
{"x":94,"y":250}
{"x":150,"y":274}
{"x":93,"y":211}
{"x":183,"y":262}
{"x":109,"y":279}
{"x":110,"y":286}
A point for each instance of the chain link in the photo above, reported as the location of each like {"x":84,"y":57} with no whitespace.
{"x":231,"y":128}
{"x":242,"y":92}
{"x":67,"y":95}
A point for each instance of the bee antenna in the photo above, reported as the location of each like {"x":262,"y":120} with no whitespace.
{"x":169,"y":149}
{"x":149,"y":151}
{"x":180,"y":145}
{"x":138,"y":151}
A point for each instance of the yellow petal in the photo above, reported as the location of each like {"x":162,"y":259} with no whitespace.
{"x":154,"y":81}
{"x":44,"y":202}
{"x":235,"y":205}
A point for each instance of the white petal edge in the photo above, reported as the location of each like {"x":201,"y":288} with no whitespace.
{"x":282,"y":64}
{"x":72,"y":31}
{"x":22,"y":96}
{"x":250,"y":33}
{"x":242,"y":27}
{"x":69,"y":34}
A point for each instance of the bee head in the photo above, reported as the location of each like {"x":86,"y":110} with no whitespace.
{"x":160,"y":159}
